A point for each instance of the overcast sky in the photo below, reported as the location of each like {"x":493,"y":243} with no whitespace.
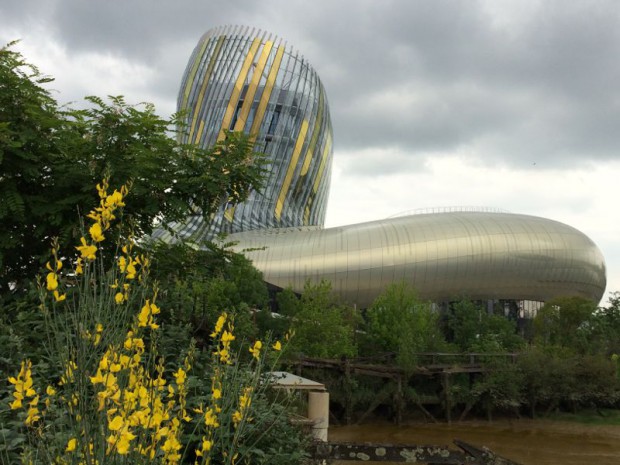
{"x":507,"y":104}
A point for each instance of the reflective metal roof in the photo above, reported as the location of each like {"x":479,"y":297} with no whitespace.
{"x":444,"y":256}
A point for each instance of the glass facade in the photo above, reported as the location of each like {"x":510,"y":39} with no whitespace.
{"x":243,"y":79}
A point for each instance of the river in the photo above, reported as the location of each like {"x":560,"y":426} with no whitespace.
{"x":529,"y":442}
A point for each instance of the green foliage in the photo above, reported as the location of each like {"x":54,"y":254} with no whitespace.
{"x":499,"y":389}
{"x":50,"y":157}
{"x":288,"y":303}
{"x":105,"y":391}
{"x":553,"y":378}
{"x":565,"y":322}
{"x":398,"y":321}
{"x":196,"y":285}
{"x":605,"y":327}
{"x":322,"y":327}
{"x":474,"y":329}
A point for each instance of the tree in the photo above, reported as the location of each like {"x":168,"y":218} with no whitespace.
{"x":474,"y":329}
{"x":288,"y":302}
{"x":322,"y":327}
{"x":398,"y":321}
{"x":606,"y":327}
{"x":565,"y":322}
{"x":196,"y":285}
{"x":51,"y":157}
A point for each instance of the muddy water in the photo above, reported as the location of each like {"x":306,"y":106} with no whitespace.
{"x":529,"y":442}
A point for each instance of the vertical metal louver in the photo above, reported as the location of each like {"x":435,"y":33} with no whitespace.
{"x":244,"y":79}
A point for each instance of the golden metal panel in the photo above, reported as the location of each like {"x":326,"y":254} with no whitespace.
{"x":271,"y":79}
{"x":205,"y":81}
{"x":234,"y":97}
{"x":307,"y":160}
{"x":291,"y":168}
{"x":230,"y":213}
{"x":249,"y":96}
{"x":319,"y":176}
{"x":315,"y":137}
{"x":190,"y":79}
{"x":199,"y":133}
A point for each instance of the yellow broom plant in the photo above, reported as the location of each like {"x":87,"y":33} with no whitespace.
{"x":115,"y":399}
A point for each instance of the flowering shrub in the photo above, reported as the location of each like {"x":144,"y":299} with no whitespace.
{"x":115,"y":400}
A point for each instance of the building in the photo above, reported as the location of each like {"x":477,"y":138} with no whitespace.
{"x":244,"y":79}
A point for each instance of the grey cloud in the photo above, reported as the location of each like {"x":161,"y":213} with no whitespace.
{"x":560,"y":67}
{"x":543,"y":86}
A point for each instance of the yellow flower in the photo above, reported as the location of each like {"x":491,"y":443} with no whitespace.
{"x":102,"y":188}
{"x":127,"y":267}
{"x":211,"y":418}
{"x":96,"y":233}
{"x":227,"y":337}
{"x":17,"y":403}
{"x":114,"y":200}
{"x":71,"y":445}
{"x":32,"y":416}
{"x":58,"y":263}
{"x":245,"y":399}
{"x":255,"y":351}
{"x":277,"y":346}
{"x":59,"y":297}
{"x":52,"y":281}
{"x":23,"y":390}
{"x":122,"y":446}
{"x":224,"y":355}
{"x":131,"y":269}
{"x":50,"y":391}
{"x":237,"y":417}
{"x":119,"y":298}
{"x":138,"y":344}
{"x":216,"y":393}
{"x":145,"y":318}
{"x":116,"y":423}
{"x":88,"y":251}
{"x":171,"y":446}
{"x":180,"y":376}
{"x":78,"y":266}
{"x":219,"y":324}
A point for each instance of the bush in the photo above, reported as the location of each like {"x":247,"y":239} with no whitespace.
{"x":110,"y":396}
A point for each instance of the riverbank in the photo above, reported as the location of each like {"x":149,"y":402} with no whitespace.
{"x":530,"y":442}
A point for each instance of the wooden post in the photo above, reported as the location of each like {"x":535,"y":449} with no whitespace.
{"x":447,"y":396}
{"x":348,"y":392}
{"x":398,"y":400}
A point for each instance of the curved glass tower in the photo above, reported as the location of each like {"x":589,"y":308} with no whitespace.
{"x":244,"y":79}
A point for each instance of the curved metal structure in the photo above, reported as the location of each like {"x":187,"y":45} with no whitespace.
{"x":247,"y":80}
{"x":444,"y":256}
{"x":244,"y":79}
